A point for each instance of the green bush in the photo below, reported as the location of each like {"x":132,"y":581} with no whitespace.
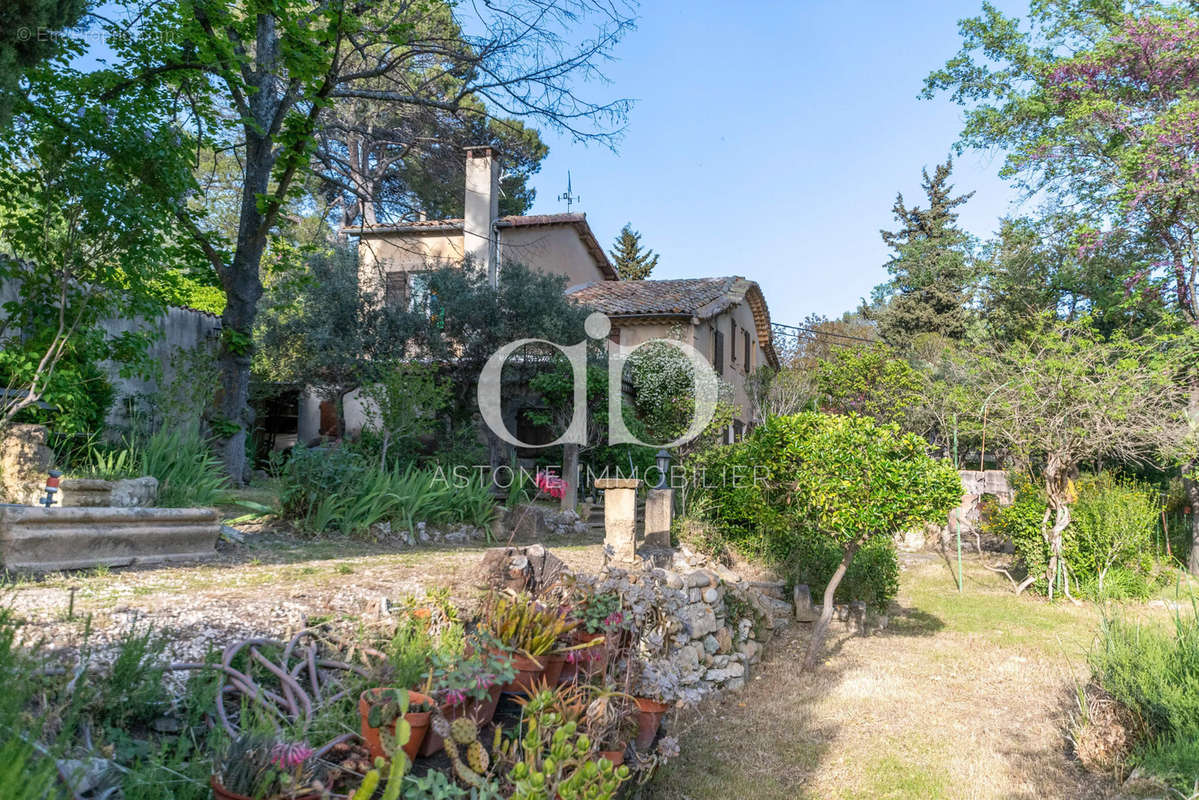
{"x":1108,"y":545}
{"x":1155,"y":674}
{"x":189,"y":474}
{"x":25,"y":773}
{"x":872,"y":577}
{"x":336,"y":489}
{"x":805,"y":490}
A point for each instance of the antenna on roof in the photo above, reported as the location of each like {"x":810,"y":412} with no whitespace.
{"x":568,"y":196}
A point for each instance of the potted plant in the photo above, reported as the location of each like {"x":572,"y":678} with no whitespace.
{"x":382,"y":709}
{"x":527,"y":630}
{"x":264,"y":768}
{"x":466,"y":687}
{"x":654,"y":690}
{"x":610,"y":721}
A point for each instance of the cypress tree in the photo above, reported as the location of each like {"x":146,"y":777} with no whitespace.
{"x":632,"y":264}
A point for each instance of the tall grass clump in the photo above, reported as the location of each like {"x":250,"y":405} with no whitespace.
{"x":189,"y":474}
{"x":1154,"y":673}
{"x":338,"y":490}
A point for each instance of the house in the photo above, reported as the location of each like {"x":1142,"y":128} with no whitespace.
{"x":393,"y":257}
{"x":726,"y":319}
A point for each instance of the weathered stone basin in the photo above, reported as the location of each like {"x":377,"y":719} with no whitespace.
{"x":96,"y":493}
{"x":47,"y":539}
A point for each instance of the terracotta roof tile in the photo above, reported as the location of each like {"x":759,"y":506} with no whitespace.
{"x":682,"y":296}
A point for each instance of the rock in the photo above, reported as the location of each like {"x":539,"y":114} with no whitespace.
{"x":698,"y":619}
{"x":381,"y":529}
{"x":25,"y":459}
{"x":724,"y":640}
{"x":232,"y":535}
{"x":751,"y":650}
{"x":711,"y":645}
{"x":700,"y":578}
{"x":804,"y":610}
{"x":135,"y":492}
{"x":711,"y":596}
{"x":736,"y":669}
{"x":457,"y":537}
{"x":519,"y":568}
{"x":735,"y":684}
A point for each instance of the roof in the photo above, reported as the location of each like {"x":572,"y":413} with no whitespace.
{"x":703,"y":298}
{"x":576,"y":221}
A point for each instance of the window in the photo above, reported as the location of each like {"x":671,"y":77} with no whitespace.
{"x":395,"y":289}
{"x":733,"y":339}
{"x":418,"y":290}
{"x":745,"y":341}
{"x":718,"y":352}
{"x":614,"y":335}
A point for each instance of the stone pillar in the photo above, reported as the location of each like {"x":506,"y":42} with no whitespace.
{"x":659,"y":513}
{"x":620,"y":516}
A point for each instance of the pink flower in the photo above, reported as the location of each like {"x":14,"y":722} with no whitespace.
{"x":455,"y":696}
{"x":289,"y":755}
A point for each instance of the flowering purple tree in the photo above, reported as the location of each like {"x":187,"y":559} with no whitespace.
{"x":1098,"y":107}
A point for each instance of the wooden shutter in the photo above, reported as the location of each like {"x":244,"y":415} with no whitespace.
{"x":745,"y":339}
{"x":395,"y":291}
{"x":718,"y":352}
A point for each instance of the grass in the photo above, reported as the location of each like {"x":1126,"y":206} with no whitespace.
{"x":963,"y":696}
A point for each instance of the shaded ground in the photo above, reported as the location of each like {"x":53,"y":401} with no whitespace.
{"x":964,"y":696}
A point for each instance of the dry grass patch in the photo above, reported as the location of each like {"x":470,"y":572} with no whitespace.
{"x":964,"y":696}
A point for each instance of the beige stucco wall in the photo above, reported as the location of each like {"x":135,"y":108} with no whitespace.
{"x":554,"y":249}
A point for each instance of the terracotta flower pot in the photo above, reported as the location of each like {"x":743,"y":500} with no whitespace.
{"x":649,"y":718}
{"x":570,"y":669}
{"x":481,"y":711}
{"x":219,"y":792}
{"x":528,"y":670}
{"x":554,"y":663}
{"x":615,"y":756}
{"x":418,"y":721}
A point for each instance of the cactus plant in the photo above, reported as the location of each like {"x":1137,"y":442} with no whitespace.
{"x":393,"y":746}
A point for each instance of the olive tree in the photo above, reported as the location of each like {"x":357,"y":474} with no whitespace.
{"x":846,"y":478}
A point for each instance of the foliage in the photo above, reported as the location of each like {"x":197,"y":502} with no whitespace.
{"x":871,"y":578}
{"x":931,"y":275}
{"x":321,"y":327}
{"x":404,"y":403}
{"x":1156,"y":675}
{"x":630,"y":261}
{"x":1094,"y":103}
{"x":27,"y":36}
{"x":1108,"y":545}
{"x":256,"y":765}
{"x":523,"y":625}
{"x":871,"y":380}
{"x":335,"y":489}
{"x":131,"y":691}
{"x":1064,"y":395}
{"x":24,"y":770}
{"x":844,"y":479}
{"x":189,"y":473}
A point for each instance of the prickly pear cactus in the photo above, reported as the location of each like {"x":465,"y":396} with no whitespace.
{"x":465,"y":770}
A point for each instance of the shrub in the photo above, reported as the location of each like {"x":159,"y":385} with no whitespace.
{"x":1107,"y":546}
{"x":1155,"y":674}
{"x":336,"y":490}
{"x":816,"y":490}
{"x":189,"y":474}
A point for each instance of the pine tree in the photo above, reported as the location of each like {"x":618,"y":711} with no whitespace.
{"x":930,"y":287}
{"x":632,"y":264}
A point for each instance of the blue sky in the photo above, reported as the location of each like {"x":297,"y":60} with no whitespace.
{"x":770,"y":143}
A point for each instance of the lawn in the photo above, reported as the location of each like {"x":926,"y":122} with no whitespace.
{"x":964,"y":696}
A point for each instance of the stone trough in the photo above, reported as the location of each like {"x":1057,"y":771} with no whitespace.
{"x":48,"y":539}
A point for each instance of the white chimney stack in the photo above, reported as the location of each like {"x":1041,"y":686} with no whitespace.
{"x":482,"y":208}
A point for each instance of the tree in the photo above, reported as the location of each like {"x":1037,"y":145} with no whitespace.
{"x":80,"y":245}
{"x":1096,"y":105}
{"x":846,"y":479}
{"x":322,"y":328}
{"x":405,"y":400}
{"x":631,"y":262}
{"x":257,"y":81}
{"x":930,"y":286}
{"x":1062,"y":397}
{"x":30,"y":31}
{"x":869,"y":380}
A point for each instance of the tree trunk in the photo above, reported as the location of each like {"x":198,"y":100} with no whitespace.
{"x":570,"y":474}
{"x":816,"y":643}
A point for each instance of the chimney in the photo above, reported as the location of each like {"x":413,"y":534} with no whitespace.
{"x":481,"y":209}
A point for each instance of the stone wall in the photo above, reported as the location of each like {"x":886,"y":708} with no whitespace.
{"x":25,"y":460}
{"x":715,"y":622}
